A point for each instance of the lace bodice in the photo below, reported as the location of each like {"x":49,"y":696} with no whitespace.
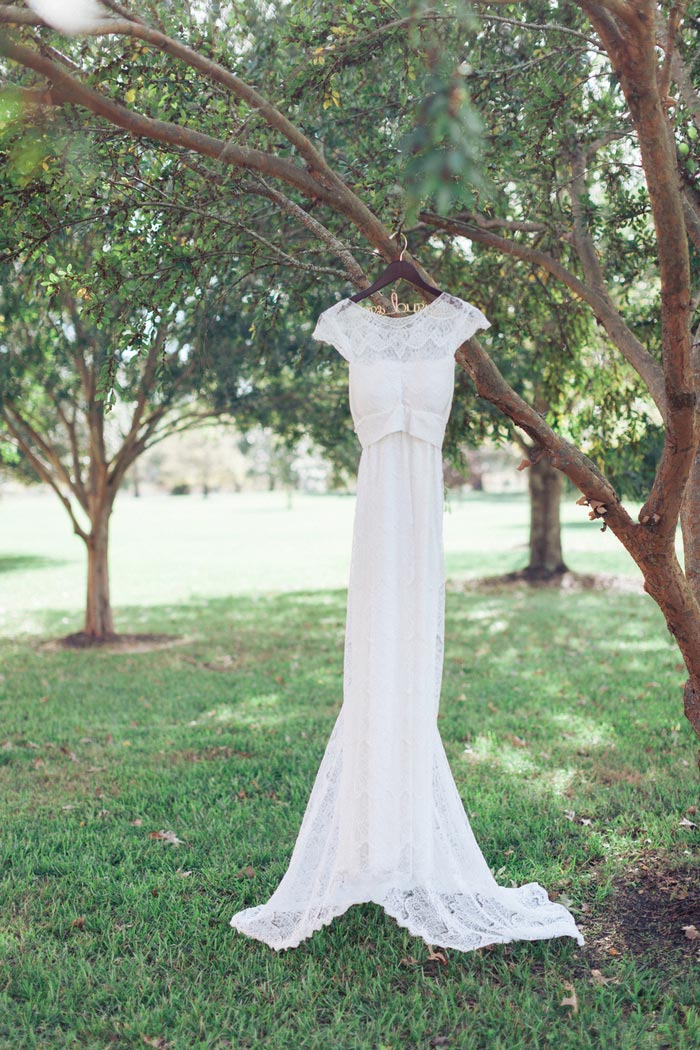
{"x":401,"y":374}
{"x":436,"y":331}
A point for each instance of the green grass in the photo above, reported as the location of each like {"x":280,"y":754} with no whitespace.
{"x":555,"y":705}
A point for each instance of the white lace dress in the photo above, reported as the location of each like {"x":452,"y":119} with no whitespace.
{"x":384,"y":821}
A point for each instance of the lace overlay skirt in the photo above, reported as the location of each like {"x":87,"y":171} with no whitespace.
{"x":384,"y":821}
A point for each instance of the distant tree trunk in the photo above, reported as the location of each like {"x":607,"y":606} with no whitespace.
{"x":476,"y":473}
{"x":453,"y":478}
{"x":99,"y":621}
{"x":546,"y":483}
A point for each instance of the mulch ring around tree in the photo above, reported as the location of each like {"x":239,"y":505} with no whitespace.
{"x":120,"y":643}
{"x":565,"y":581}
{"x":652,"y":913}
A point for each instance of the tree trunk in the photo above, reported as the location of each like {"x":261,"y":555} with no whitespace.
{"x":546,"y":483}
{"x":690,"y":527}
{"x":476,"y":472}
{"x":98,"y":612}
{"x":690,"y":507}
{"x":665,"y":581}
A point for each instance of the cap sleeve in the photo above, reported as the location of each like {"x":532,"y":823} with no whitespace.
{"x":328,"y":330}
{"x":469,"y":320}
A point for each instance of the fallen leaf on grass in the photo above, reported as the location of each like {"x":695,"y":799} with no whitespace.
{"x":598,"y":977}
{"x":408,"y":961}
{"x":223,"y":664}
{"x":248,"y":872}
{"x":79,"y":922}
{"x":437,"y":956}
{"x":570,"y":814}
{"x":685,"y":823}
{"x":168,"y":836}
{"x":691,"y":933}
{"x":570,"y":1000}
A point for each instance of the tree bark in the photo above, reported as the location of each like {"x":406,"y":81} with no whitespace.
{"x":99,"y":622}
{"x":546,"y":484}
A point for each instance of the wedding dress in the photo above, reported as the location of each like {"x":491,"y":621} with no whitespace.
{"x":384,"y":821}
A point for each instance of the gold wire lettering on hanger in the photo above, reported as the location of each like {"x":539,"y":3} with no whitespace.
{"x":397,"y":307}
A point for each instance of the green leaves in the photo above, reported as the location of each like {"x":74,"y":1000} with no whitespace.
{"x":442,"y":150}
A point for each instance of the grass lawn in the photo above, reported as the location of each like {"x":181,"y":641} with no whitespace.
{"x":562,"y":718}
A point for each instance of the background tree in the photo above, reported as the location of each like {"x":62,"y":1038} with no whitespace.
{"x":114,"y":337}
{"x":284,"y":157}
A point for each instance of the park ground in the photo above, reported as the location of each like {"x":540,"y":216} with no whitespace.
{"x":146,"y":794}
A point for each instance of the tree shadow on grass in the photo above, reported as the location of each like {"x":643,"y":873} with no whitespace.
{"x":22,"y":562}
{"x":533,"y":683}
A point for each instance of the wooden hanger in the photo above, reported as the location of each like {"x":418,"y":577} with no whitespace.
{"x":393,"y":272}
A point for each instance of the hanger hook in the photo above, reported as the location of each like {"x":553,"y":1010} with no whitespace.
{"x":405,"y":246}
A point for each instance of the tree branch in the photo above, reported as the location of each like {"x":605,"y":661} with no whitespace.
{"x":674,"y":20}
{"x":491,"y":385}
{"x":212,"y":70}
{"x":583,"y":243}
{"x":633,"y":56}
{"x":66,"y":88}
{"x":43,"y":471}
{"x":691,"y":212}
{"x":49,"y":453}
{"x":69,"y":426}
{"x":147,"y":375}
{"x":627,"y":343}
{"x":319,"y":231}
{"x":546,"y":27}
